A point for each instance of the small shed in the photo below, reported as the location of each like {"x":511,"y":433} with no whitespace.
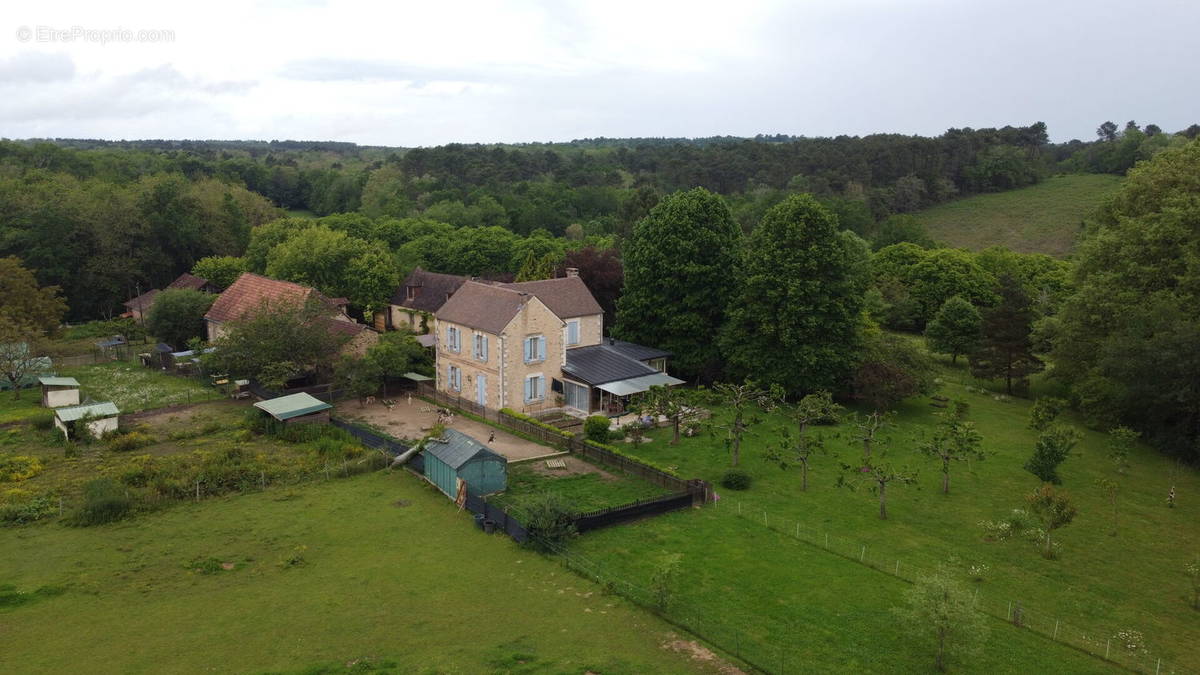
{"x":59,"y":391}
{"x":101,"y":418}
{"x":456,"y":460}
{"x":302,"y":408}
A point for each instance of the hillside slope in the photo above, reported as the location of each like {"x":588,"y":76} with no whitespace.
{"x":1043,"y":218}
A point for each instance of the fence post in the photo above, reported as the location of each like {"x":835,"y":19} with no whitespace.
{"x":898,"y":568}
{"x":1107,"y":644}
{"x":862,"y":554}
{"x":1055,"y":636}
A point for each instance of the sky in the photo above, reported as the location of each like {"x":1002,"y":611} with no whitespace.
{"x":426,"y":73}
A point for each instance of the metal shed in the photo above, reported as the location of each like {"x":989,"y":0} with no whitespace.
{"x":457,"y":459}
{"x":59,"y":391}
{"x":296,"y":408}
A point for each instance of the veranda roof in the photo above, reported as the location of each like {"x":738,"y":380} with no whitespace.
{"x":636,"y":385}
{"x":416,"y":377}
{"x":292,"y":405}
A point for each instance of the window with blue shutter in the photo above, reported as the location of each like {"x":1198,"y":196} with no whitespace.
{"x":535,"y":349}
{"x":573,"y":332}
{"x":481,"y":347}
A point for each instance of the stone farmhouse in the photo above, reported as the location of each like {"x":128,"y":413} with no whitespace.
{"x":537,"y":346}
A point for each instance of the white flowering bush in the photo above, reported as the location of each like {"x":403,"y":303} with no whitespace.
{"x":977,"y":571}
{"x":1132,"y":641}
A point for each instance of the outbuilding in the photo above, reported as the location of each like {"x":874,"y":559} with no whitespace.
{"x":101,"y":418}
{"x":302,"y":408}
{"x":59,"y":391}
{"x":456,"y":461}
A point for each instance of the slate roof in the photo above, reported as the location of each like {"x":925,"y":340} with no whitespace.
{"x":458,"y":449}
{"x":435,"y":289}
{"x":636,"y":351}
{"x":250,"y":291}
{"x":144,"y":301}
{"x":603,"y":363}
{"x":292,"y":405}
{"x":188,"y":281}
{"x":483,"y":306}
{"x":568,"y":297}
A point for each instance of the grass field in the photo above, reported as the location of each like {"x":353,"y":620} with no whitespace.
{"x":378,"y":569}
{"x":1044,"y":218}
{"x":794,"y":593}
{"x":586,"y":491}
{"x":134,"y":388}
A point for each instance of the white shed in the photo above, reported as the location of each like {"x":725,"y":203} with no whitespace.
{"x":101,"y":418}
{"x":59,"y":391}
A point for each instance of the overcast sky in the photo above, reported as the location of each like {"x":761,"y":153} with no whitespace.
{"x":426,"y":73}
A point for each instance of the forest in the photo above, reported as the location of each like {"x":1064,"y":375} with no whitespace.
{"x":104,"y":221}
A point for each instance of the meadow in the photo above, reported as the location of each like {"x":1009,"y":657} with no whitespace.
{"x":377,"y":573}
{"x":744,"y":558}
{"x":1043,"y":218}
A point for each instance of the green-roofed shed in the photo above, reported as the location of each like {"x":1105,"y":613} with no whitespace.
{"x":59,"y":391}
{"x":296,"y":408}
{"x":101,"y":418}
{"x":457,"y":457}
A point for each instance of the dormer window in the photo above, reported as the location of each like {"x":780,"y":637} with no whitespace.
{"x":411,"y":292}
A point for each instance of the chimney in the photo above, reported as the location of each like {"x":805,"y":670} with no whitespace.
{"x":572,"y":271}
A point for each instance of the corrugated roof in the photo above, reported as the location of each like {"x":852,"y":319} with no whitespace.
{"x":567,"y":297}
{"x":292,"y":405}
{"x":488,"y":308}
{"x":435,"y":289}
{"x":599,"y":364}
{"x":188,"y":281}
{"x":78,"y":412}
{"x":58,"y":381}
{"x":458,"y":449}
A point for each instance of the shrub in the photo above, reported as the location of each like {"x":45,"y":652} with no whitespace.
{"x":129,"y":441}
{"x":596,"y":428}
{"x":28,"y":511}
{"x":736,"y":480}
{"x":1053,"y":447}
{"x":1045,"y":410}
{"x":550,"y":521}
{"x":14,"y":468}
{"x":104,"y":501}
{"x":43,"y":420}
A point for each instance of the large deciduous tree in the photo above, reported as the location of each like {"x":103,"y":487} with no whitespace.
{"x":177,"y":315}
{"x":20,"y":345}
{"x":1129,"y":337}
{"x":1006,"y":349}
{"x":794,"y":320}
{"x":277,"y":341}
{"x":679,"y":278}
{"x":220,"y":271}
{"x":890,"y":370}
{"x":23,"y":301}
{"x":601,"y":270}
{"x":955,"y":329}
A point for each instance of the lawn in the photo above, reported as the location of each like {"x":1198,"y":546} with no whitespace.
{"x":24,"y":408}
{"x":1100,"y":585}
{"x":1043,"y":218}
{"x":378,"y":571}
{"x":134,"y":387}
{"x":597,"y":489}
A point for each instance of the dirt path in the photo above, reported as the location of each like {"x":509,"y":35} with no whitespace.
{"x":413,"y":420}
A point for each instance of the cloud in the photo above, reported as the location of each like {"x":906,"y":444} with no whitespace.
{"x":31,"y":66}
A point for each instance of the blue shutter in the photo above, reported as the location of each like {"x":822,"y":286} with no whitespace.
{"x":541,"y":341}
{"x":485,"y":348}
{"x":528,"y":387}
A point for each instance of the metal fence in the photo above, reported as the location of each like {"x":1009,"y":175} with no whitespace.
{"x":616,"y":515}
